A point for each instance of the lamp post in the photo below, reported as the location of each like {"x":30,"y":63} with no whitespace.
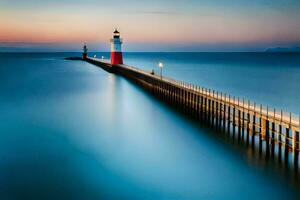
{"x":161,"y":66}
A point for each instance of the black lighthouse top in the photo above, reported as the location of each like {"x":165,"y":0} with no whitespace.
{"x":116,"y":34}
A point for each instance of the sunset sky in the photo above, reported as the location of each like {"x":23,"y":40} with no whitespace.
{"x":155,"y":25}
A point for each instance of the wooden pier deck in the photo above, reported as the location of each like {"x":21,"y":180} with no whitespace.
{"x":275,"y":133}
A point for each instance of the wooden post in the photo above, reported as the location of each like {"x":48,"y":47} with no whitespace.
{"x":217,"y":111}
{"x":205,"y":109}
{"x":286,"y":146}
{"x":181,"y":98}
{"x":233,"y":118}
{"x":212,"y":109}
{"x":239,"y":125}
{"x":224,"y":118}
{"x":190,"y":102}
{"x":163,"y":91}
{"x":157,"y":89}
{"x":211,"y":117}
{"x":243,"y":122}
{"x":208,"y":111}
{"x":296,"y":150}
{"x":177,"y":97}
{"x":260,"y":131}
{"x":205,"y":106}
{"x":198,"y":107}
{"x":224,"y":115}
{"x":201,"y":107}
{"x":208,"y":108}
{"x":168,"y":93}
{"x":220,"y":111}
{"x":184,"y":100}
{"x":228,"y":118}
{"x":253,"y":128}
{"x":173,"y":97}
{"x":273,"y":140}
{"x":248,"y":129}
{"x":267,"y":139}
{"x":195,"y":103}
{"x":217,"y":114}
{"x":187,"y":98}
{"x":187,"y":101}
{"x":279,"y":143}
{"x":171,"y":94}
{"x":221,"y":115}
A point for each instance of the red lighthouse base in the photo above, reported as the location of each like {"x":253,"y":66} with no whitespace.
{"x":116,"y":58}
{"x":84,"y":56}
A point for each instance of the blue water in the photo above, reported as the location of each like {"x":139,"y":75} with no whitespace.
{"x":69,"y":130}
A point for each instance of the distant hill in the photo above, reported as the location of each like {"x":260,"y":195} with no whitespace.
{"x":283,"y":49}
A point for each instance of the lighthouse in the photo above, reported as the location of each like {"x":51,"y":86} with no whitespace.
{"x":85,"y":52}
{"x":116,"y":56}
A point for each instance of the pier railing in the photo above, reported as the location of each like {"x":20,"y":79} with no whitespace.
{"x":274,"y":132}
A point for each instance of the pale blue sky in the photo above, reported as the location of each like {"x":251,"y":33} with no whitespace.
{"x":156,"y":25}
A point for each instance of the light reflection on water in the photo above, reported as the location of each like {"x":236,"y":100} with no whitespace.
{"x":70,"y":130}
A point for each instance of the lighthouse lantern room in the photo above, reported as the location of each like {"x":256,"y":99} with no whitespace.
{"x":116,"y":56}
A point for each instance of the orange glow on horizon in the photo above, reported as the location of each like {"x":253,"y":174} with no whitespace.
{"x":67,"y":26}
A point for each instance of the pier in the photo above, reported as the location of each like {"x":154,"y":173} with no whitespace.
{"x":274,"y":133}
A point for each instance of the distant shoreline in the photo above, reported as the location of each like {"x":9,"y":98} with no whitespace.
{"x":283,"y":50}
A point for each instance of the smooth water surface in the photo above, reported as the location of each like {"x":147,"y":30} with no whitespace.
{"x":69,"y":130}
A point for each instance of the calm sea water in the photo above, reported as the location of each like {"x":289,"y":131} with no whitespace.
{"x":69,"y":130}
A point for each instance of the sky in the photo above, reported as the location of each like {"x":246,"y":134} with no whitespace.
{"x":149,"y":25}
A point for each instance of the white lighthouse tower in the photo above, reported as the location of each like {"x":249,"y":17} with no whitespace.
{"x":116,"y":56}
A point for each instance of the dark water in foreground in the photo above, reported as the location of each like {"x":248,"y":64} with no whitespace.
{"x":69,"y":130}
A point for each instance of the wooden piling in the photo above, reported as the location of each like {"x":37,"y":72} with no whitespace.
{"x":260,"y":132}
{"x":279,"y":143}
{"x":253,"y":131}
{"x":273,"y":141}
{"x":233,"y":118}
{"x":224,"y":117}
{"x":239,"y":125}
{"x":286,"y":146}
{"x":228,"y":119}
{"x":296,"y":150}
{"x":267,"y":132}
{"x":248,"y":129}
{"x":217,"y":115}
